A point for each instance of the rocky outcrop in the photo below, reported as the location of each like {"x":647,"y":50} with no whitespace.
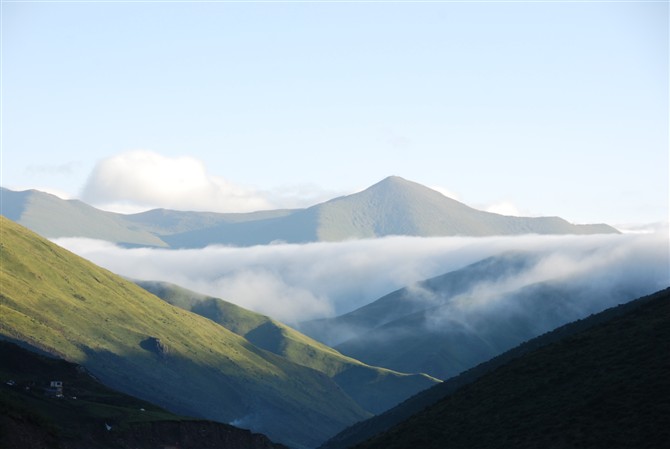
{"x":155,"y":345}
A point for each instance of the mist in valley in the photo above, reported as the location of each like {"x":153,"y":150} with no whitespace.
{"x":299,"y":282}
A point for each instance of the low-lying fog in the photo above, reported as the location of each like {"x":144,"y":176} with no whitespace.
{"x":298,"y":282}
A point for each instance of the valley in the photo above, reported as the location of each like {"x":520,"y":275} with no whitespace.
{"x":202,"y":359}
{"x":334,"y":224}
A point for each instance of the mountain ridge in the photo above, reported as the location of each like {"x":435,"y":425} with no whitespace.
{"x":392,"y":206}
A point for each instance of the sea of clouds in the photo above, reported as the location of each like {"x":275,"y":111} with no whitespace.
{"x":299,"y":282}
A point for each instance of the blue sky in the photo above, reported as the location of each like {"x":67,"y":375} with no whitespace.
{"x":523,"y":107}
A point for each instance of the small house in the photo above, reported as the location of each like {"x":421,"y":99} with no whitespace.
{"x":55,"y":389}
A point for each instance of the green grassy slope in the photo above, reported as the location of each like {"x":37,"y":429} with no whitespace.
{"x":602,"y":383}
{"x":374,"y":389}
{"x":79,"y":419}
{"x":141,"y":345}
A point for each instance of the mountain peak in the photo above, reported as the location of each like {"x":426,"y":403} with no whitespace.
{"x":395,"y":180}
{"x":395,"y":184}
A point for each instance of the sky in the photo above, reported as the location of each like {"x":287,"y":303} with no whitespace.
{"x":524,"y":108}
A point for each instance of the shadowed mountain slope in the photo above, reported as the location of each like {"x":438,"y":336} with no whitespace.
{"x":410,"y":300}
{"x":139,"y":344}
{"x":393,"y":206}
{"x":89,"y":415}
{"x":597,"y":382}
{"x":374,"y":389}
{"x":452,"y":322}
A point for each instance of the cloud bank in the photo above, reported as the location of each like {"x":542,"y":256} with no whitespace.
{"x":140,"y":180}
{"x":294,"y":283}
{"x":580,"y":279}
{"x":148,"y":179}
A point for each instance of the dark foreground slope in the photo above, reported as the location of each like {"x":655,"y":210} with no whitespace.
{"x":605,"y":384}
{"x":91,"y":416}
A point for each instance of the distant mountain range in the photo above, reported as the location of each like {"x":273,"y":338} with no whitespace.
{"x":598,"y":382}
{"x":222,"y":363}
{"x":394,"y":206}
{"x":450,"y":323}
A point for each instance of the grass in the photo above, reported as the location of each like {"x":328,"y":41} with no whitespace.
{"x":374,"y":389}
{"x":55,"y":301}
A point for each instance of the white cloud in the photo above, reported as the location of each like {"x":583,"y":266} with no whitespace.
{"x":644,"y":228}
{"x":580,"y":279}
{"x":263,"y":290}
{"x":293,"y":196}
{"x":148,"y":180}
{"x":302,"y":282}
{"x":448,"y":193}
{"x":139,"y":180}
{"x":504,"y":208}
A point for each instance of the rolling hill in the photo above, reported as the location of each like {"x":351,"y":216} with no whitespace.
{"x":374,"y":389}
{"x":450,"y":323}
{"x":134,"y":342}
{"x":600,"y":382}
{"x":89,"y":415}
{"x":393,"y":206}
